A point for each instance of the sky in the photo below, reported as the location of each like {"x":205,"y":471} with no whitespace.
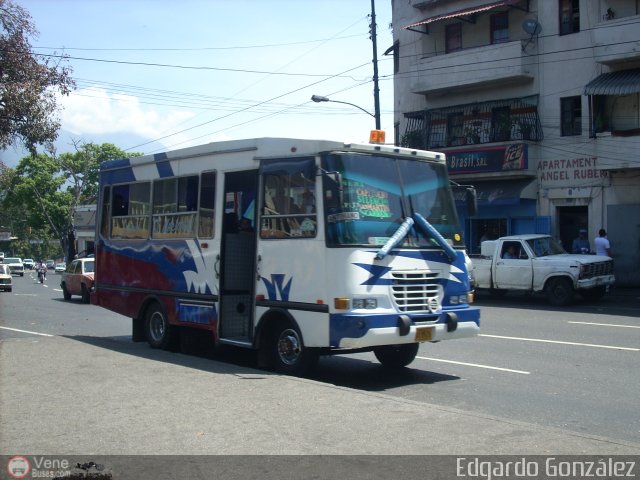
{"x":158,"y":75}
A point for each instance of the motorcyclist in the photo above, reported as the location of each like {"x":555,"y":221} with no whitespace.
{"x":42,"y":271}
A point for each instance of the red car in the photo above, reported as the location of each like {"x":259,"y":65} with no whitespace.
{"x":78,"y":279}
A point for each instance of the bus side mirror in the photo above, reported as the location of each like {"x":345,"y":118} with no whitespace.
{"x":472,"y":202}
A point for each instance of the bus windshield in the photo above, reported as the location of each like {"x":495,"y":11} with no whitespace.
{"x":376,"y":193}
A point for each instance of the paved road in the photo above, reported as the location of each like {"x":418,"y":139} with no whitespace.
{"x":71,"y":381}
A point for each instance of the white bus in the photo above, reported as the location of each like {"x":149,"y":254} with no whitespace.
{"x":296,"y":248}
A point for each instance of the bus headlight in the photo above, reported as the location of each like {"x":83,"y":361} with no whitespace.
{"x":366,"y":303}
{"x":461,"y":299}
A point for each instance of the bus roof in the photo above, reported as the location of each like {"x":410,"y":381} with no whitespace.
{"x":268,"y":147}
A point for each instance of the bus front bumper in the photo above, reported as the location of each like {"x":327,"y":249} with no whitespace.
{"x":374,"y":332}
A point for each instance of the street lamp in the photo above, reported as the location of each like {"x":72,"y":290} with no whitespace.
{"x":320,"y":98}
{"x":376,"y":136}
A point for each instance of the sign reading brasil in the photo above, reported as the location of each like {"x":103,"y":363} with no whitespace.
{"x":492,"y":159}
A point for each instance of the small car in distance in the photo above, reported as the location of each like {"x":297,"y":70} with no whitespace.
{"x":15,"y":265}
{"x":6,"y":280}
{"x":61,"y":267}
{"x":77,"y":279}
{"x":51,"y":264}
{"x":28,"y":263}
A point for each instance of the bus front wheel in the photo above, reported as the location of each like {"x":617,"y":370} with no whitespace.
{"x":290,"y":356}
{"x":396,"y":356}
{"x":159,"y":331}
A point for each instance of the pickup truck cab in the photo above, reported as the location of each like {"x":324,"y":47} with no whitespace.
{"x":538,"y":263}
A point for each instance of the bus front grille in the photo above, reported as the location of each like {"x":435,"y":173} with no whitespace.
{"x":415,"y":291}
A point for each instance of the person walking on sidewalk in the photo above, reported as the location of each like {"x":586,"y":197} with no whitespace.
{"x":601,"y":242}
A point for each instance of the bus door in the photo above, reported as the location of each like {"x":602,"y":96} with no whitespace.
{"x":238,"y":257}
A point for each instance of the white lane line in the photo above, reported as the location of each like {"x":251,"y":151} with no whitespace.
{"x":607,"y":324}
{"x":612,"y":347}
{"x":522,"y":372}
{"x":27,"y":331}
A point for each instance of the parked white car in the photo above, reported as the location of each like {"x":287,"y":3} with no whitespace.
{"x":6,"y":280}
{"x":15,"y":265}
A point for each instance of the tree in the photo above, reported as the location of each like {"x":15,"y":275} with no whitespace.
{"x":28,"y":84}
{"x":45,"y":190}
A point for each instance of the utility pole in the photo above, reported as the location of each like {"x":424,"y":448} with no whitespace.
{"x":376,"y":89}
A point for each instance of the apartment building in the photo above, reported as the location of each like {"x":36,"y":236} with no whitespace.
{"x":536,"y":104}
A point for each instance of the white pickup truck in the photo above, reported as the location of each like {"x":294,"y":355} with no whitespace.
{"x":538,"y":263}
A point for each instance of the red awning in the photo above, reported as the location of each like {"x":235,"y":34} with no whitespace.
{"x":462,"y":13}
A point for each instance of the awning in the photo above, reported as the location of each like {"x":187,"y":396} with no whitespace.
{"x":624,"y":82}
{"x":499,"y":192}
{"x":463,"y":13}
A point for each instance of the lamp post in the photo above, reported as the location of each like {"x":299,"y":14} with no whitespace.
{"x":320,"y":98}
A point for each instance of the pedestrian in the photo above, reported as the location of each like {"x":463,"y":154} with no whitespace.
{"x":601,"y":242}
{"x":581,"y":243}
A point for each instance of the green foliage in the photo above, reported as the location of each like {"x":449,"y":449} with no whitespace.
{"x":40,"y":196}
{"x":28,"y":84}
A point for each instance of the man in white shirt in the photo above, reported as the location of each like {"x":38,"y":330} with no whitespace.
{"x":603,"y":247}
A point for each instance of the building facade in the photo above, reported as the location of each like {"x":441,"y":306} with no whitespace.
{"x":536,"y":104}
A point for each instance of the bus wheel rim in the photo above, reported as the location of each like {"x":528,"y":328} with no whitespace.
{"x":289,"y":347}
{"x":157,"y":326}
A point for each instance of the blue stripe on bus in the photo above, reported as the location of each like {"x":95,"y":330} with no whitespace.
{"x":163,"y":165}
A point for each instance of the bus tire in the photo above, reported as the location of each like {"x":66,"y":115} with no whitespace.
{"x":290,"y":356}
{"x":396,"y":356}
{"x":158,"y":330}
{"x":559,"y":292}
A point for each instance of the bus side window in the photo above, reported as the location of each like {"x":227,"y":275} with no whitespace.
{"x":207,"y":205}
{"x":288,"y":201}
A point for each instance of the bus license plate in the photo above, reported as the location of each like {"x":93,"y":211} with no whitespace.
{"x":424,"y":334}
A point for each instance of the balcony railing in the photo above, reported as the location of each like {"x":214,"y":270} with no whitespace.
{"x":474,"y":124}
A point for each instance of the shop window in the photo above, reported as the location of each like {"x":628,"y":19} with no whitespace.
{"x":569,"y":16}
{"x":500,"y":27}
{"x":453,"y":37}
{"x":571,"y":116}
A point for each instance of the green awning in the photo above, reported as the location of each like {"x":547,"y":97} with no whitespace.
{"x":624,"y":82}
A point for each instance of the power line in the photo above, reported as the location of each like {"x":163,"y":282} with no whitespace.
{"x":197,"y":49}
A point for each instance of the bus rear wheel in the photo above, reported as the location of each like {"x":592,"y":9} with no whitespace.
{"x":396,"y":356}
{"x":290,"y":356}
{"x":159,"y":331}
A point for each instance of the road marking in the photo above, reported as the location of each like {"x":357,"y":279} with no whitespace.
{"x":522,"y":372}
{"x":607,"y":324}
{"x":27,"y":331}
{"x":26,"y":294}
{"x":561,"y":343}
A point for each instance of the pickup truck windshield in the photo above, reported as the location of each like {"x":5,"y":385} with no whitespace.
{"x":377,"y":193}
{"x":545,"y":246}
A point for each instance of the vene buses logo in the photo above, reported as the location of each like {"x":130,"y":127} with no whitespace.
{"x":18,"y":467}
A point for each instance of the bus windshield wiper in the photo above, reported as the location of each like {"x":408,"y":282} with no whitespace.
{"x":431,"y":231}
{"x":396,"y":238}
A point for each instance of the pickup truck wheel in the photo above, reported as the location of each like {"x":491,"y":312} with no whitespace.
{"x":559,"y":291}
{"x":593,"y":294}
{"x":396,"y":356}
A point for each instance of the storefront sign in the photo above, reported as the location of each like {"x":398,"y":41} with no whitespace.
{"x":571,"y":172}
{"x":492,"y":159}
